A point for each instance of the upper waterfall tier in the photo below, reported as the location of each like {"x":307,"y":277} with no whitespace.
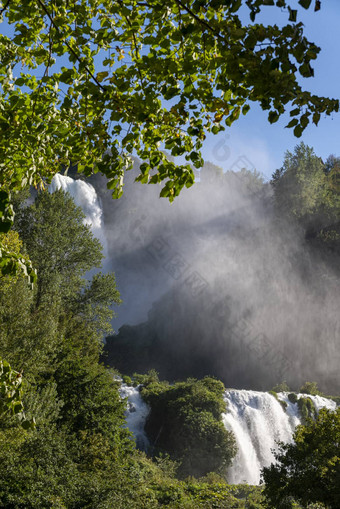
{"x":86,"y":198}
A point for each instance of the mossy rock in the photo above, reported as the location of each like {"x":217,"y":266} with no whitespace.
{"x":273,"y":393}
{"x":307,"y":409}
{"x":293,"y":397}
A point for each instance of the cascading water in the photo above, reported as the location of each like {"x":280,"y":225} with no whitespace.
{"x":86,"y":198}
{"x":258,"y":421}
{"x":136,"y":414}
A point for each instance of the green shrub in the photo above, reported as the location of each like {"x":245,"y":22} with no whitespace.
{"x":127,"y":380}
{"x":185,"y":421}
{"x":281,"y":387}
{"x":310,"y":388}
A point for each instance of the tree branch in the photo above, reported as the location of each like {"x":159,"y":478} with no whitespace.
{"x":200,"y":20}
{"x":5,"y":7}
{"x":43,"y":6}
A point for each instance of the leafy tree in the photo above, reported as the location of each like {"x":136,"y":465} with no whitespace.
{"x":58,"y":243}
{"x":308,"y":470}
{"x":307,"y":190}
{"x":93,"y":303}
{"x":281,"y":387}
{"x":185,"y":422}
{"x":28,"y":336}
{"x":300,"y":183}
{"x":54,"y":337}
{"x":90,"y":83}
{"x":65,"y":307}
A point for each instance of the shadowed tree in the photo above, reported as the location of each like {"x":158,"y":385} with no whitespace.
{"x":308,"y":470}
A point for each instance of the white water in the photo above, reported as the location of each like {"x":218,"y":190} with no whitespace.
{"x":258,"y":421}
{"x":136,"y":414}
{"x":86,"y":198}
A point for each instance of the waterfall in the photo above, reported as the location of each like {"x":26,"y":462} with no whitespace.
{"x":86,"y":198}
{"x":258,"y":421}
{"x":136,"y":414}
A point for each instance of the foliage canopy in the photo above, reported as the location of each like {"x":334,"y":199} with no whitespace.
{"x":308,"y":190}
{"x":82,"y":79}
{"x":307,"y":470}
{"x":185,"y":421}
{"x":89,"y":83}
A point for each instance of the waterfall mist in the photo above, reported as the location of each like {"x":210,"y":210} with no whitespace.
{"x":217,"y":283}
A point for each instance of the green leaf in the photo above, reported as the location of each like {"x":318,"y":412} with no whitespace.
{"x":273,"y":116}
{"x":245,"y":109}
{"x":306,"y":70}
{"x":292,"y":14}
{"x":298,"y":130}
{"x":155,"y":179}
{"x":292,"y":123}
{"x":305,"y":3}
{"x":112,"y":183}
{"x":316,"y":118}
{"x":102,"y":75}
{"x":295,"y":112}
{"x":165,"y":193}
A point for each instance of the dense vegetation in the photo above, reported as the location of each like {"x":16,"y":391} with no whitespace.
{"x":78,"y":453}
{"x":308,"y":470}
{"x":53,"y":339}
{"x":185,"y":422}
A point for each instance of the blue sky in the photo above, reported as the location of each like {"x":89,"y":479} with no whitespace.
{"x":252,"y":141}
